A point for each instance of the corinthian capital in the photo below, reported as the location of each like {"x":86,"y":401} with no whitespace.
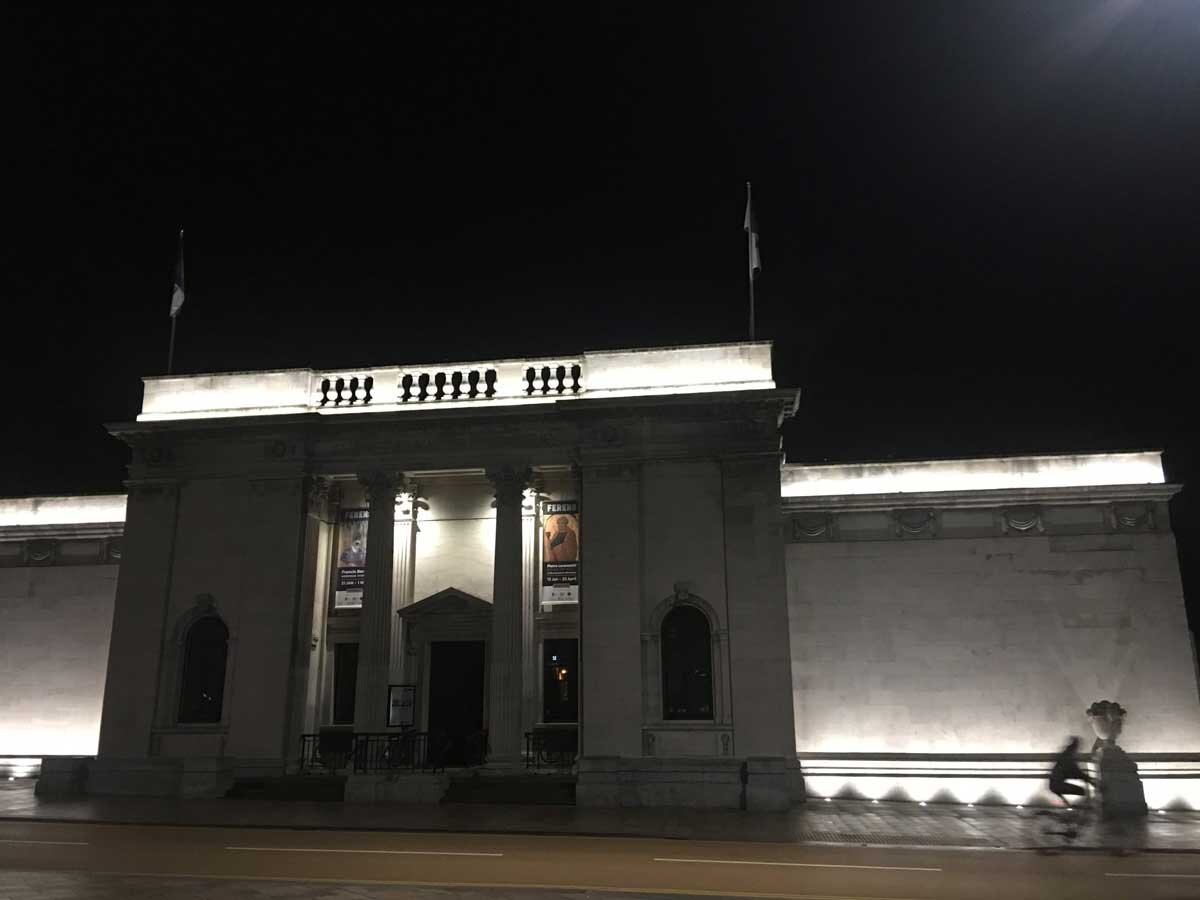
{"x":382,"y":486}
{"x":510,"y":483}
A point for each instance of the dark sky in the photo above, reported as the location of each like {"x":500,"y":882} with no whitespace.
{"x":978,"y":219}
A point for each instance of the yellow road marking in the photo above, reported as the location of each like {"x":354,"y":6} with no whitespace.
{"x":693,"y":892}
{"x":799,"y":865}
{"x":392,"y":852}
{"x":1145,"y":875}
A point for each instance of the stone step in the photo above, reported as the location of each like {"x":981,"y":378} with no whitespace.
{"x":291,"y":787}
{"x":550,"y":790}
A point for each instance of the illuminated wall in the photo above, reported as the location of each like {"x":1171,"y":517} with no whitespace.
{"x":54,"y":627}
{"x":456,"y":537}
{"x":928,"y":633}
{"x":58,"y":577}
{"x":988,"y":645}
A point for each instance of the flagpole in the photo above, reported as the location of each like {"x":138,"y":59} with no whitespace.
{"x":750,"y":262}
{"x":171,"y":348}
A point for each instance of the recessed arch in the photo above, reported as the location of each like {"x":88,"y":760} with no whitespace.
{"x":687,"y":669}
{"x":202,"y":682}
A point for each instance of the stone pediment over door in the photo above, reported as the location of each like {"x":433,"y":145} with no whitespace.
{"x":448,"y":602}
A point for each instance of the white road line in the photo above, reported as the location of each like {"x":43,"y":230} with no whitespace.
{"x":1145,"y":875}
{"x":391,"y":852}
{"x":755,"y":862}
{"x":56,"y":843}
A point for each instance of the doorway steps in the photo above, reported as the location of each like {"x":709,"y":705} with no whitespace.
{"x":482,"y":787}
{"x":291,"y":787}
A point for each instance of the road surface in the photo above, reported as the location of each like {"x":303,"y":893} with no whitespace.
{"x":394,"y":864}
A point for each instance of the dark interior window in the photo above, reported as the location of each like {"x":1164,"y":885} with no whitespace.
{"x":687,"y":665}
{"x":345,"y":678}
{"x":204,"y":671}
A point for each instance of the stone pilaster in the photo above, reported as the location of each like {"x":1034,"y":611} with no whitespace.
{"x":375,"y":623}
{"x":504,"y":692}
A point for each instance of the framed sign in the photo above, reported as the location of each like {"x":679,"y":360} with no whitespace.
{"x":401,"y":705}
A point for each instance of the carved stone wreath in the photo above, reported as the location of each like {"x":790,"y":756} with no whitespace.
{"x":1023,"y":519}
{"x":915,"y":522}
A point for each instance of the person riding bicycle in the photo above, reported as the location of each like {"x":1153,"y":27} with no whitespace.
{"x":1066,"y":773}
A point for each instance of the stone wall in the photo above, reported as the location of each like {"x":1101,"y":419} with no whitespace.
{"x":962,"y":639}
{"x":54,"y":635}
{"x":456,"y":537}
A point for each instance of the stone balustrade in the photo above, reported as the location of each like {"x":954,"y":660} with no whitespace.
{"x":617,"y":373}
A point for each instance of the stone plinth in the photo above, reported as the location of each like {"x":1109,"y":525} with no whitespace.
{"x":409,"y":787}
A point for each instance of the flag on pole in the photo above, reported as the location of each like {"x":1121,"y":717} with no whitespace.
{"x":177,"y":294}
{"x":750,"y":224}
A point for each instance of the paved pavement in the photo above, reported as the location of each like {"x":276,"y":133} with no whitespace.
{"x":54,"y":861}
{"x":838,"y":822}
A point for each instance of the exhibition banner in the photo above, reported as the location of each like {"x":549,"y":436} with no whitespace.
{"x":351,"y":560}
{"x":560,"y":551}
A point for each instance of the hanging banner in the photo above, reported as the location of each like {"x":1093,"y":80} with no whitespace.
{"x":560,"y":551}
{"x":351,"y":559}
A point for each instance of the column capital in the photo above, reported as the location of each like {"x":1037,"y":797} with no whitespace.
{"x":323,"y":498}
{"x":509,"y":483}
{"x":382,"y":486}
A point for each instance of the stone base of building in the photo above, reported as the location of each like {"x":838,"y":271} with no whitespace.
{"x":1165,"y":780}
{"x":760,"y":784}
{"x":409,"y":787}
{"x":63,"y":776}
{"x":187,"y":778}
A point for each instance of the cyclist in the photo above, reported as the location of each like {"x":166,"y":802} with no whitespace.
{"x":1066,"y":773}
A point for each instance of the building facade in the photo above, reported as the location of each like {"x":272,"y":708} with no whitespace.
{"x":600,"y":563}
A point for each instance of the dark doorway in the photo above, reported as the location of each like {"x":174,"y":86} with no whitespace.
{"x":345,"y":678}
{"x":455,"y":696}
{"x":560,"y":680}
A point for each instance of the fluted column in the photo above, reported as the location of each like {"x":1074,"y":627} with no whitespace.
{"x":375,"y":625}
{"x":530,"y":714}
{"x":504,"y":691}
{"x":401,"y":596}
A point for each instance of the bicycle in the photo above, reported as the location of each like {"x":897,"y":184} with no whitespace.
{"x":1060,"y":826}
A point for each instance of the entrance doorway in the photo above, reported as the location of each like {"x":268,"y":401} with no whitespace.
{"x":455,"y":695}
{"x":560,"y":680}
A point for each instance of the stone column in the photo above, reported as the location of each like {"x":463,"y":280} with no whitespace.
{"x":530,"y":713}
{"x":375,"y":625}
{"x":401,"y":595}
{"x":504,"y":689}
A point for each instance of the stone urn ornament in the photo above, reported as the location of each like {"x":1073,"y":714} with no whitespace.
{"x":1120,"y":787}
{"x":1108,"y":719}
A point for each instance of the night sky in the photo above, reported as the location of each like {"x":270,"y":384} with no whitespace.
{"x":978,"y":220}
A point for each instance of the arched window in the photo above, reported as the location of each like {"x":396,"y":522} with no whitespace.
{"x":203,"y":687}
{"x":686,"y":665}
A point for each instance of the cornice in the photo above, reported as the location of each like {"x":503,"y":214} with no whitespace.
{"x":81,"y":530}
{"x":1063,"y":496}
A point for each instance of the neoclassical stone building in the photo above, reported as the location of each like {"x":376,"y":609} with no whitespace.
{"x":597,"y":563}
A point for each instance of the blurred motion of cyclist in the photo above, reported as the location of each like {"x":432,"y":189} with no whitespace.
{"x":1066,"y":773}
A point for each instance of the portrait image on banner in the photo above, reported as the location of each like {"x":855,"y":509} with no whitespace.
{"x":560,"y":551}
{"x":351,"y":559}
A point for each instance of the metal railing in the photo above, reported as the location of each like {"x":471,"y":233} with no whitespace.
{"x":551,"y":748}
{"x":408,"y":751}
{"x":336,"y":751}
{"x":411,"y":751}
